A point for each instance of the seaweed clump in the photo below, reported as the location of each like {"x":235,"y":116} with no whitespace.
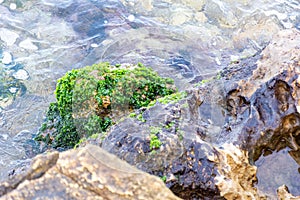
{"x":90,"y":99}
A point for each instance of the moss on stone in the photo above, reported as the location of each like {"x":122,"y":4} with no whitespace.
{"x":172,"y":98}
{"x":87,"y":97}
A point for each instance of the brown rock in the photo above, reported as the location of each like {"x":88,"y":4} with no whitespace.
{"x":87,"y":173}
{"x":284,"y":194}
{"x":237,"y":177}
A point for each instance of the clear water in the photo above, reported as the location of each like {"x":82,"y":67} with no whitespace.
{"x":181,"y":39}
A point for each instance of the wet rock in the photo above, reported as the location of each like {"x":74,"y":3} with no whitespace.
{"x":252,"y":105}
{"x":87,"y":18}
{"x":221,"y":13}
{"x":262,"y":109}
{"x":193,"y":168}
{"x":284,"y":194}
{"x":21,"y":74}
{"x":8,"y":36}
{"x":10,"y":87}
{"x":88,"y":173}
{"x":28,"y":44}
{"x":238,"y":177}
{"x":256,"y":32}
{"x":7,"y":58}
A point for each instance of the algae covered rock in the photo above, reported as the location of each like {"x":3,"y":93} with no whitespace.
{"x":90,"y":99}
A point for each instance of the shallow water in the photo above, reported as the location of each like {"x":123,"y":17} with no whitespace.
{"x":182,"y":39}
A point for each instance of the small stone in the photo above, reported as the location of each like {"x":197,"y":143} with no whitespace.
{"x":1,"y":1}
{"x":200,"y":17}
{"x":179,"y":18}
{"x":13,"y":6}
{"x":298,"y":108}
{"x":27,"y":44}
{"x":94,"y":45}
{"x":131,"y":18}
{"x":13,"y":90}
{"x":218,"y":61}
{"x":7,"y":58}
{"x":234,"y":58}
{"x":21,"y":74}
{"x":7,"y":36}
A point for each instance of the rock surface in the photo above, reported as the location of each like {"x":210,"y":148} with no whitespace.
{"x":87,"y":173}
{"x":252,"y":107}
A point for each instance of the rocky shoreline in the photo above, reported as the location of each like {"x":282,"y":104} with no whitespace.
{"x":209,"y":140}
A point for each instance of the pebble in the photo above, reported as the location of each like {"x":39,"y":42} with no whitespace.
{"x":7,"y":36}
{"x":13,"y":6}
{"x":27,"y":44}
{"x":1,"y":1}
{"x":7,"y":58}
{"x":94,"y":45}
{"x":234,"y":58}
{"x":13,"y":90}
{"x":21,"y":74}
{"x":218,"y":61}
{"x":131,"y":18}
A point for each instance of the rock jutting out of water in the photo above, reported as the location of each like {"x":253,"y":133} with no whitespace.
{"x":87,"y":173}
{"x":257,"y":99}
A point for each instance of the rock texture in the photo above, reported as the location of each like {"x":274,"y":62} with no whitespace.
{"x":251,"y":107}
{"x":87,"y":173}
{"x":284,"y":194}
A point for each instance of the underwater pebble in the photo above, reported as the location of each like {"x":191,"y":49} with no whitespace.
{"x":7,"y":36}
{"x":27,"y":44}
{"x":13,"y":6}
{"x":1,"y":1}
{"x":131,"y":18}
{"x":7,"y":58}
{"x":13,"y":90}
{"x":21,"y":74}
{"x":218,"y":61}
{"x":94,"y":45}
{"x":234,"y":58}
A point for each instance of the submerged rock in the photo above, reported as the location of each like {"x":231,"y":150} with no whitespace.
{"x":90,"y":99}
{"x":87,"y":173}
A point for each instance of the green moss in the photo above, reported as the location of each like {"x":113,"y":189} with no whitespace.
{"x":163,"y":178}
{"x":86,"y":97}
{"x":218,"y":77}
{"x":155,"y":130}
{"x":180,"y":135}
{"x":169,"y":125}
{"x":140,"y":118}
{"x":152,"y":103}
{"x":172,"y":98}
{"x":132,"y":115}
{"x":155,"y":143}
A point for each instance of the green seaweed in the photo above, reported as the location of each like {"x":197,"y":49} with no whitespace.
{"x":86,"y":98}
